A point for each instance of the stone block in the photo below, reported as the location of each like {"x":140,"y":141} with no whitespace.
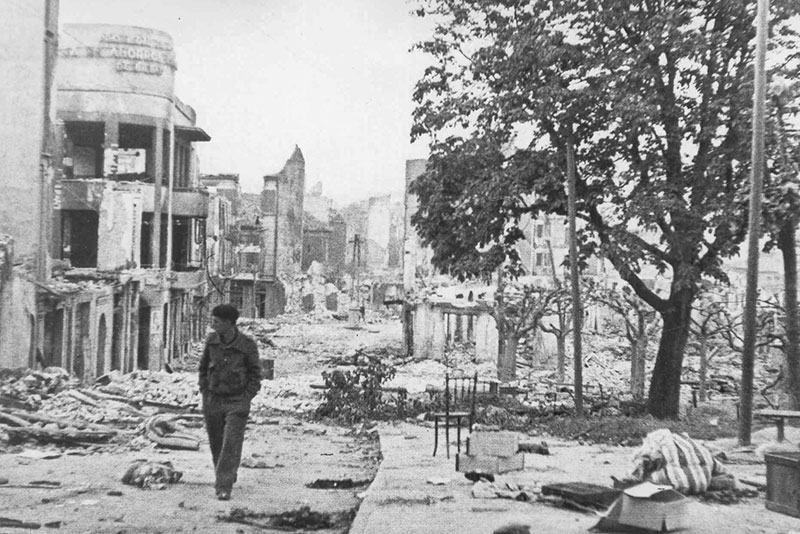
{"x":489,"y":464}
{"x":502,"y":444}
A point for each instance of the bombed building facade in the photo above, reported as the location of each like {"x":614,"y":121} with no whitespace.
{"x":119,"y":224}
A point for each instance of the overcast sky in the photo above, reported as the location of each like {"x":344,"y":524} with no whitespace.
{"x":332,"y":76}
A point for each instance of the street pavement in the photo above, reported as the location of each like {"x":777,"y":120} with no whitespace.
{"x":404,"y":499}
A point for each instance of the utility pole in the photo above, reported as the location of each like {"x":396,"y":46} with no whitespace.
{"x":577,"y":308}
{"x":754,"y":224}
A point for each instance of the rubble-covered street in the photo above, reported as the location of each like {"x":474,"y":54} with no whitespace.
{"x":289,"y":462}
{"x":63,"y":463}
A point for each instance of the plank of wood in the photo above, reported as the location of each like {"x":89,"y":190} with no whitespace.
{"x":786,"y":414}
{"x":12,"y":419}
{"x":42,"y":418}
{"x":17,"y":434}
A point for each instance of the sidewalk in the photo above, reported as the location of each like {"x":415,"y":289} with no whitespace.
{"x":401,"y":501}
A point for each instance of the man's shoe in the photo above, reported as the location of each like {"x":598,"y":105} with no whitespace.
{"x":223,"y":495}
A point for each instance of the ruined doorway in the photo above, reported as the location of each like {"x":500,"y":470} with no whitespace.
{"x":32,"y":356}
{"x":53,"y":338}
{"x":275,"y":300}
{"x":101,"y":346}
{"x":143,"y":354}
{"x":116,"y":335}
{"x":82,"y":342}
{"x":261,"y":303}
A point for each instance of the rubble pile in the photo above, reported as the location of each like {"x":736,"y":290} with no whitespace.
{"x":116,"y":405}
{"x":69,"y":406}
{"x":288,"y":394}
{"x":421,"y":376}
{"x":177,"y":389}
{"x":259,"y":330}
{"x":27,"y":388}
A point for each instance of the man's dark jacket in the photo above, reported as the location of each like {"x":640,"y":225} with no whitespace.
{"x":230,"y":370}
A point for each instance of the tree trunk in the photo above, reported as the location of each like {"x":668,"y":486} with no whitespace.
{"x":408,"y":329}
{"x":561,"y":347}
{"x":787,"y":243}
{"x":507,"y":370}
{"x":665,"y":385}
{"x":701,"y":393}
{"x":637,"y":369}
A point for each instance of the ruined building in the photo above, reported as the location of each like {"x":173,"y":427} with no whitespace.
{"x":129,"y":213}
{"x":324,"y":235}
{"x":28,"y":45}
{"x":265,"y":239}
{"x":126,"y":222}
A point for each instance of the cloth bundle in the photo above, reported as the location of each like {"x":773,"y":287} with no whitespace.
{"x":676,"y":460}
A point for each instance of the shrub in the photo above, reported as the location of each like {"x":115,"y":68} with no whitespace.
{"x":358,"y":395}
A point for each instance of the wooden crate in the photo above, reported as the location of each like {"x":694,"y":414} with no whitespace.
{"x":783,"y":482}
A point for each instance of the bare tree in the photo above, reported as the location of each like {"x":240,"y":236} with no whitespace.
{"x":708,"y":325}
{"x":519,"y":312}
{"x":639,"y":324}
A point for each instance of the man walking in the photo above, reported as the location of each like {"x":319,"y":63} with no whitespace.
{"x":230,"y":376}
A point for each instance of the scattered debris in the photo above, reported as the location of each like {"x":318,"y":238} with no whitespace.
{"x":513,"y":528}
{"x":39,"y":455}
{"x":438,"y":481}
{"x":67,"y":436}
{"x":166,"y":432}
{"x":17,"y":523}
{"x":500,"y":489}
{"x":151,"y":475}
{"x":252,"y":463}
{"x":346,"y":483}
{"x":23,"y":388}
{"x":729,"y":496}
{"x":534,"y":448}
{"x":755,"y":483}
{"x":590,"y":495}
{"x":474,"y":476}
{"x":301,"y":519}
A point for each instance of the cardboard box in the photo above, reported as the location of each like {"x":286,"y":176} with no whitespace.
{"x":649,"y":507}
{"x":489,"y":465}
{"x":503,"y":444}
{"x":783,"y":482}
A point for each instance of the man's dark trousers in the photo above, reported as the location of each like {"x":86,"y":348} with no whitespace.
{"x":226,"y":417}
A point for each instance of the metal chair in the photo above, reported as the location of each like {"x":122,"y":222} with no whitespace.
{"x":459,"y":404}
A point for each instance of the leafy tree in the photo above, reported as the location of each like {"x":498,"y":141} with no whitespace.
{"x":654,"y":96}
{"x":782,"y":209}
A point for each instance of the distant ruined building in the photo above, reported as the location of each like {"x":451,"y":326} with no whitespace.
{"x":266,"y":239}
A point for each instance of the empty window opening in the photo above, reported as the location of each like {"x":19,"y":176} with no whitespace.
{"x":84,"y":149}
{"x":79,"y":237}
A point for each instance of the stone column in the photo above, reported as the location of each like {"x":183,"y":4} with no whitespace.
{"x":158,"y":179}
